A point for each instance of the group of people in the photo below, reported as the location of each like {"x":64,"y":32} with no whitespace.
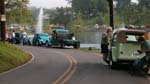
{"x":18,"y":38}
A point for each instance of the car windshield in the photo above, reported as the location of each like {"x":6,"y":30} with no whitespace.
{"x":63,"y":35}
{"x":43,"y":35}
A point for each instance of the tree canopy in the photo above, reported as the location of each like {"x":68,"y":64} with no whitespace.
{"x":18,"y":12}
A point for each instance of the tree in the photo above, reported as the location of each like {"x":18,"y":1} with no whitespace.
{"x":89,"y":8}
{"x":137,"y":14}
{"x":121,"y":6}
{"x":144,"y":3}
{"x":77,"y":26}
{"x":18,"y":12}
{"x":61,"y":16}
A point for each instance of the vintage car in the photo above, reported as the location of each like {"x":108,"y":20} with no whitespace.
{"x":124,"y":47}
{"x":29,"y":40}
{"x":41,"y":39}
{"x":62,"y":38}
{"x":18,"y":38}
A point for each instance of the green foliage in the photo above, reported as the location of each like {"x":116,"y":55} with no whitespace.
{"x":85,"y":14}
{"x":10,"y":57}
{"x":89,"y":8}
{"x":61,"y":16}
{"x":18,"y":12}
{"x":136,"y":14}
{"x":144,"y":4}
{"x":78,"y":25}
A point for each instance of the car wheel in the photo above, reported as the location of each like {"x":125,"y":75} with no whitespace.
{"x":76,"y":46}
{"x":37,"y":43}
{"x":46,"y":44}
{"x":30,"y":43}
{"x":61,"y":45}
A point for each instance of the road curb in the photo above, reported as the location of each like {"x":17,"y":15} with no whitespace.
{"x":18,"y":67}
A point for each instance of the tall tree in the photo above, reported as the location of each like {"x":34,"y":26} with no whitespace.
{"x":121,"y":6}
{"x":61,"y":16}
{"x":144,"y":3}
{"x":18,"y":12}
{"x":89,"y":8}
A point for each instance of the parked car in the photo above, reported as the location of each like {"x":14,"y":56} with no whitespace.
{"x":30,"y":40}
{"x":62,"y":38}
{"x":124,"y":47}
{"x":41,"y":39}
{"x":18,"y":38}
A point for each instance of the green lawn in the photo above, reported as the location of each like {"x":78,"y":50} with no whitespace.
{"x":11,"y":56}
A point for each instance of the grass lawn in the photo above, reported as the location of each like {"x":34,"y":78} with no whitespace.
{"x":11,"y":56}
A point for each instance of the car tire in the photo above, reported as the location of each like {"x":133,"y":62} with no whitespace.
{"x":37,"y":43}
{"x":76,"y":46}
{"x":62,"y":45}
{"x":46,"y":44}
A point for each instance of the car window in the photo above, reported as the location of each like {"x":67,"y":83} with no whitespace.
{"x":133,"y":38}
{"x":43,"y":35}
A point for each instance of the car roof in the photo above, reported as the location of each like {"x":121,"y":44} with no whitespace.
{"x":61,"y":30}
{"x":41,"y":33}
{"x":128,"y":30}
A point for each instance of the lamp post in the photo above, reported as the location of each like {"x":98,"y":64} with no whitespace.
{"x":111,"y":13}
{"x":3,"y":19}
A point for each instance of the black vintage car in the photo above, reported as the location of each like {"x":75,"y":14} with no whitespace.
{"x":18,"y":38}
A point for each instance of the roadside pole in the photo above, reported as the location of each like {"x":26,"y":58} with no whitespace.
{"x":3,"y":20}
{"x":111,"y":13}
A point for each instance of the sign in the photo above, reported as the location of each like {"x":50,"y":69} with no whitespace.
{"x":3,"y":18}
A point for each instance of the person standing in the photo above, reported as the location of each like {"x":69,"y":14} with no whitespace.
{"x":13,"y":37}
{"x":106,"y":36}
{"x":24,"y":37}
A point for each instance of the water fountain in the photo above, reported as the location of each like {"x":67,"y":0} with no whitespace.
{"x":40,"y":22}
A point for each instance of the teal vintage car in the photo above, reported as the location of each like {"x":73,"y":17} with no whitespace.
{"x":124,"y":47}
{"x":40,"y":39}
{"x":62,"y":38}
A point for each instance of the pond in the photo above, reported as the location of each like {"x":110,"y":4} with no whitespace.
{"x":90,"y":39}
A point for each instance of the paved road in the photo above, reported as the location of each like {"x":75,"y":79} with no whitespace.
{"x":67,"y":66}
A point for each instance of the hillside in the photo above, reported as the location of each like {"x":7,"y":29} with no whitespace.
{"x":11,"y":56}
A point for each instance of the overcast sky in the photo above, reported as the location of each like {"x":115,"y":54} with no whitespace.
{"x":51,"y":3}
{"x":48,"y":3}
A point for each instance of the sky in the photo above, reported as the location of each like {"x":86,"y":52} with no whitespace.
{"x":48,"y":3}
{"x":51,"y":3}
{"x":134,"y":1}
